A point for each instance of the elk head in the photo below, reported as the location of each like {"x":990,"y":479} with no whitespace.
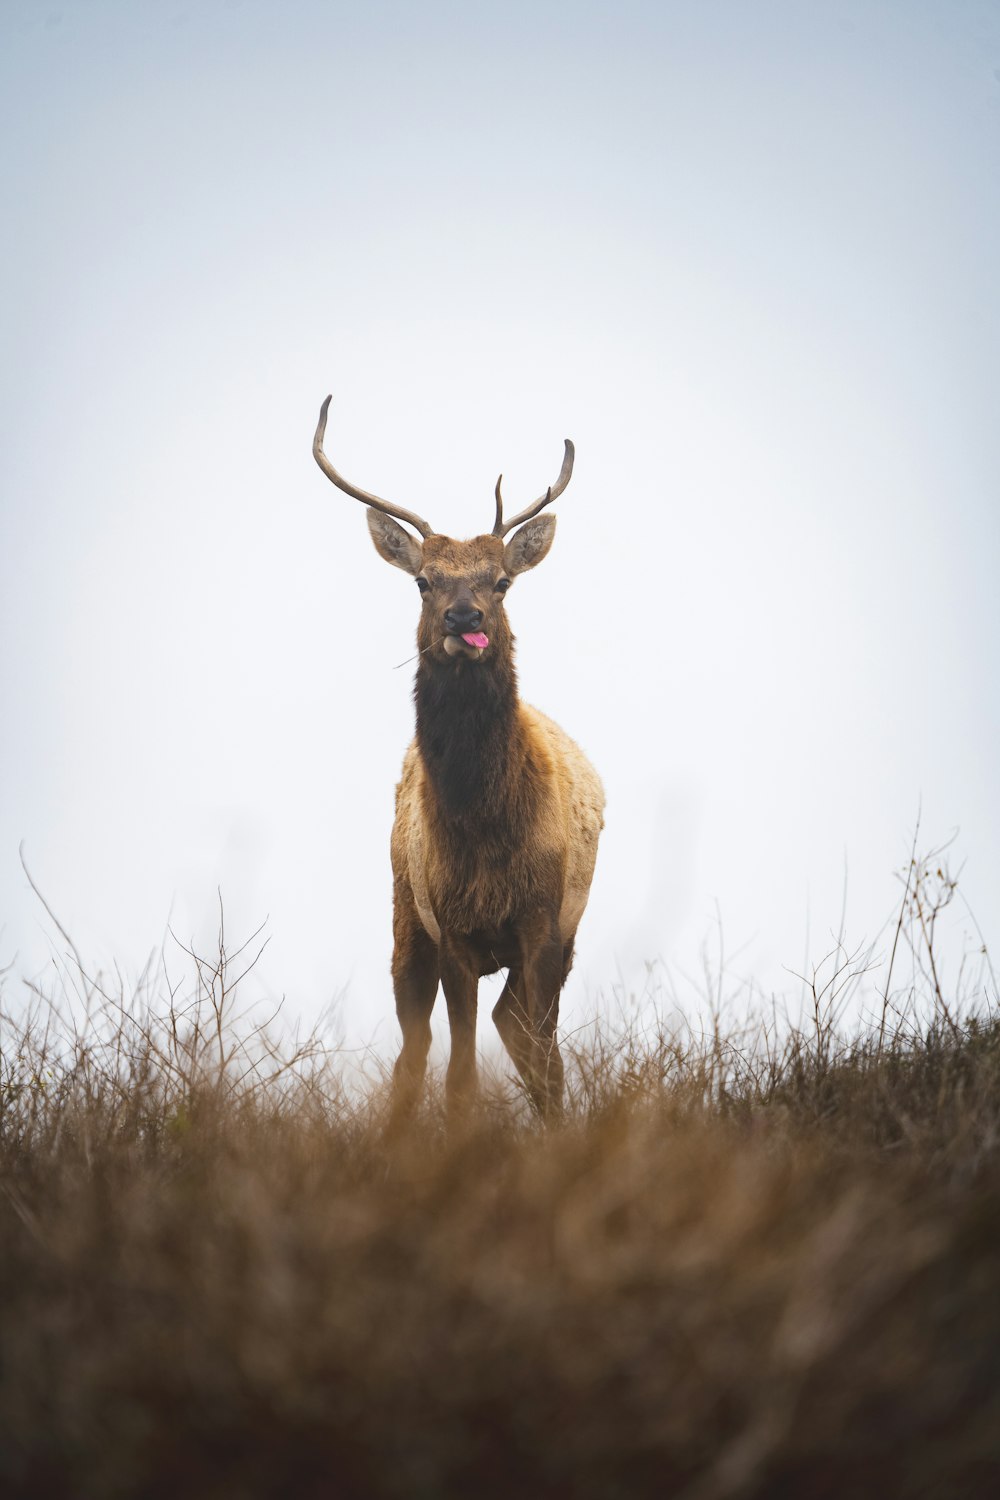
{"x":462,"y":584}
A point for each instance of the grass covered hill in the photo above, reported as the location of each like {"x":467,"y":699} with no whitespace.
{"x":755,"y":1264}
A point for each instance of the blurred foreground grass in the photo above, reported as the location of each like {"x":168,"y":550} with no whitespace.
{"x":754,"y":1261}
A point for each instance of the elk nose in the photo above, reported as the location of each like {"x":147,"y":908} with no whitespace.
{"x":459,"y":619}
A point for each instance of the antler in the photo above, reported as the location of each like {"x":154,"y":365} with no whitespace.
{"x":362,"y":495}
{"x":501,"y":527}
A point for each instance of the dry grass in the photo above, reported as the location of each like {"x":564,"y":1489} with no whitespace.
{"x":764,"y":1264}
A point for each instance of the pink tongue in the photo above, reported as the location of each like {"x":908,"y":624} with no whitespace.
{"x":476,"y":638}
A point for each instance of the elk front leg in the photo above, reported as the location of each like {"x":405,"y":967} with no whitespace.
{"x":415,"y":981}
{"x":460,"y":982}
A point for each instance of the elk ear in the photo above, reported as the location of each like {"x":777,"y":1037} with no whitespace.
{"x":529,"y":545}
{"x":394,"y":544}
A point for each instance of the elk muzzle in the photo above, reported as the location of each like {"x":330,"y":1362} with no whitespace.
{"x":462,"y":619}
{"x":465,"y":636}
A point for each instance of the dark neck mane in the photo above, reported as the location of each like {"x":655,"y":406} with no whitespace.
{"x":470,"y":739}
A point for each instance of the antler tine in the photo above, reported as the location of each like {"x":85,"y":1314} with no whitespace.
{"x":502,"y":527}
{"x":349,"y":489}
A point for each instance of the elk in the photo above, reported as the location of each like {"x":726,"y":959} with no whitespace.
{"x":498,"y":811}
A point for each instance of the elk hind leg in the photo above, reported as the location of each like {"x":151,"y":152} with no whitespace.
{"x":545,"y":970}
{"x":511,"y":1019}
{"x":527,"y":1013}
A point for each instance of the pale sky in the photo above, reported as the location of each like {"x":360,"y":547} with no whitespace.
{"x":744,"y":254}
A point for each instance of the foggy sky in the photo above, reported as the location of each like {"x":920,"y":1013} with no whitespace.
{"x":744,"y":255}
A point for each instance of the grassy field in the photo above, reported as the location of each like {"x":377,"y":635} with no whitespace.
{"x":755,"y":1260}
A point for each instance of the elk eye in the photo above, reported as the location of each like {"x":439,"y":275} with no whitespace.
{"x":423,"y":585}
{"x":502,"y":585}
